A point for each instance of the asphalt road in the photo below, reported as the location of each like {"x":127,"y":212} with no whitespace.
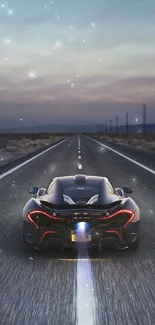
{"x":146,"y":158}
{"x":53,"y":289}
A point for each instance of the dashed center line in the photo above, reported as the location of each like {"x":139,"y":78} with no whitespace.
{"x":79,"y":166}
{"x":85,"y":298}
{"x":78,"y":141}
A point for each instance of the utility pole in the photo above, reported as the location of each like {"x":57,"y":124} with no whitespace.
{"x":102,"y":127}
{"x":144,"y":119}
{"x":106,"y":127}
{"x":127,"y":124}
{"x":110,"y":126}
{"x":117,"y":125}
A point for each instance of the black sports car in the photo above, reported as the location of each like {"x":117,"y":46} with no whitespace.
{"x":80,"y":211}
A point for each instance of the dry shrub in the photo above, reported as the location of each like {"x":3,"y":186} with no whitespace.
{"x":134,"y":142}
{"x":151,"y":145}
{"x":139,"y":141}
{"x":25,"y":144}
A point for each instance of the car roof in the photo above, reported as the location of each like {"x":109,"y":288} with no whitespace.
{"x":80,"y":179}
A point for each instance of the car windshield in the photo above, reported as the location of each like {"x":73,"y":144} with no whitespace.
{"x":80,"y":192}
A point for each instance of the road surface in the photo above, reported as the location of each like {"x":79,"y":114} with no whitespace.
{"x":117,"y":288}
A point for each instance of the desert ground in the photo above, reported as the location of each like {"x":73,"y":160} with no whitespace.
{"x":140,"y":142}
{"x":16,"y":145}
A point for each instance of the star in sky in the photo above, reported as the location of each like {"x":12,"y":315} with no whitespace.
{"x":76,"y":60}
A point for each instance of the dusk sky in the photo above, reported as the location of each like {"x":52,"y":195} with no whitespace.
{"x":71,"y":61}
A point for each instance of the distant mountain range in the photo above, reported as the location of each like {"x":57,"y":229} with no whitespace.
{"x":50,"y":128}
{"x":150,"y":128}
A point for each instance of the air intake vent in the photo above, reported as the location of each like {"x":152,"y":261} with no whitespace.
{"x":80,"y":179}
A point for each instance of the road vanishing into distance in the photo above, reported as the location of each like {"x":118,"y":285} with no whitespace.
{"x":112,"y":288}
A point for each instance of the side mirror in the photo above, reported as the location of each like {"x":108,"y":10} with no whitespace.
{"x":41,"y":191}
{"x":33,"y":190}
{"x":127,"y":190}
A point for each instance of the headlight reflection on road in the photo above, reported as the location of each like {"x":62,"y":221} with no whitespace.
{"x":85,"y":306}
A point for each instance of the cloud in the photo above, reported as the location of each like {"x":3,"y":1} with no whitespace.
{"x":116,"y":65}
{"x":96,"y":88}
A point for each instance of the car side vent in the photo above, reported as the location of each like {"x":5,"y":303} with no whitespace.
{"x":80,"y":179}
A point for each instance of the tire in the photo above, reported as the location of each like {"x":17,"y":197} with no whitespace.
{"x":28,"y":247}
{"x":135,"y":244}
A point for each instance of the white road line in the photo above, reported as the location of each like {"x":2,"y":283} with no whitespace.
{"x":85,"y":304}
{"x":152,"y":171}
{"x":29,"y":160}
{"x":79,"y":157}
{"x":79,"y":166}
{"x":78,"y":142}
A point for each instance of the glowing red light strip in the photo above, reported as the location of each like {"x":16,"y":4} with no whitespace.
{"x":46,"y":214}
{"x":114,"y":231}
{"x":118,"y":212}
{"x":132,"y":217}
{"x":29,"y":217}
{"x":41,"y":212}
{"x":46,"y":233}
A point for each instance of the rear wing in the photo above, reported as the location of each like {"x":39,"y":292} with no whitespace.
{"x":81,"y":207}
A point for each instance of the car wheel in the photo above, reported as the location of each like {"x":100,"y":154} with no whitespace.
{"x":135,"y":244}
{"x":29,"y":247}
{"x":26,"y":245}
